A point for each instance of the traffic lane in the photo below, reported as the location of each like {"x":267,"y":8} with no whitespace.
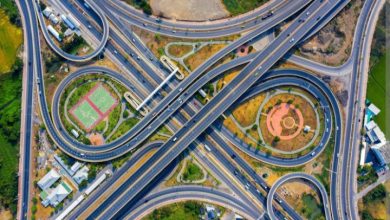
{"x":284,"y":9}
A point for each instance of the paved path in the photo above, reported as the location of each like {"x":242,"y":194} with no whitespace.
{"x":380,"y":180}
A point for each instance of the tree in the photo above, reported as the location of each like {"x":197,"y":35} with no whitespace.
{"x":254,"y":127}
{"x":276,"y":139}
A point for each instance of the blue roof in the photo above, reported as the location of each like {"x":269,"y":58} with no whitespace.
{"x":379,"y":156}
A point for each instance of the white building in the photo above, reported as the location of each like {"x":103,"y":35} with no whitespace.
{"x":47,"y":12}
{"x":370,"y":125}
{"x":76,"y":166}
{"x":376,"y":135}
{"x":375,"y":110}
{"x":54,"y":19}
{"x":56,"y":195}
{"x":68,"y":32}
{"x":54,"y":33}
{"x":75,"y":134}
{"x":49,"y":179}
{"x":81,"y":175}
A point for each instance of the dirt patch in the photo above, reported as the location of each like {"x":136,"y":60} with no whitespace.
{"x":190,"y":10}
{"x":96,"y":139}
{"x":332,"y":45}
{"x":5,"y":214}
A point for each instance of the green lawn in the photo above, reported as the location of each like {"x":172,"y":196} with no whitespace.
{"x":376,"y":92}
{"x":236,"y":7}
{"x":10,"y":41}
{"x":192,"y":172}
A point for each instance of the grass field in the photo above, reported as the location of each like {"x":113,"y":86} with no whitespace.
{"x":178,"y":211}
{"x":312,"y":210}
{"x":10,"y":101}
{"x":192,"y":172}
{"x":11,"y":39}
{"x":179,"y":50}
{"x":236,"y":7}
{"x":102,"y":99}
{"x":376,"y":92}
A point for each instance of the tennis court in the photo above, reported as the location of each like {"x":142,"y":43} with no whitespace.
{"x":102,"y":99}
{"x":85,"y":114}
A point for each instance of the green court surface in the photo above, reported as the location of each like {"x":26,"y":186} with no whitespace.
{"x":86,"y":114}
{"x":102,"y":99}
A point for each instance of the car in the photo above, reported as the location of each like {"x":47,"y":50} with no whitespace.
{"x":308,"y":13}
{"x":144,"y":24}
{"x":313,"y":153}
{"x":292,"y":40}
{"x":174,"y":139}
{"x":89,"y":26}
{"x":115,"y":51}
{"x":235,"y":172}
{"x":133,"y":40}
{"x":181,"y":89}
{"x":233,"y":156}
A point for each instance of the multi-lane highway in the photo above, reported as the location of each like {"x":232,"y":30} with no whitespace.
{"x":253,"y":79}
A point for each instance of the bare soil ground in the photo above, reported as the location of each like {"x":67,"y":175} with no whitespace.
{"x":5,"y":214}
{"x":96,"y":139}
{"x":191,"y":10}
{"x":332,"y":45}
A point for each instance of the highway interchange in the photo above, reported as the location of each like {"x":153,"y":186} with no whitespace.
{"x":204,"y":124}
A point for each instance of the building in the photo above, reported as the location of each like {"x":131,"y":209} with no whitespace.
{"x":81,"y":175}
{"x":76,"y":166}
{"x":54,"y":33}
{"x":74,"y":132}
{"x":54,"y":19}
{"x":376,"y":135}
{"x":68,"y":33}
{"x":384,"y":149}
{"x":67,"y":22}
{"x":373,"y":109}
{"x":56,"y":195}
{"x":49,"y":179}
{"x":47,"y":12}
{"x":363,"y":154}
{"x":370,"y":125}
